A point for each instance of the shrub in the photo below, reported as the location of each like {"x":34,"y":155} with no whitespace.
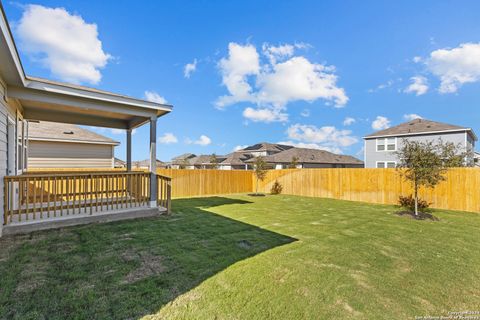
{"x":276,"y":188}
{"x":409,"y":203}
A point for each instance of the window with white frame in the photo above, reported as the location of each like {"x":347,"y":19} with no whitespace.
{"x":386,"y":164}
{"x":386,"y":144}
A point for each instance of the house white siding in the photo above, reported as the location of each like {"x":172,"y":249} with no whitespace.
{"x":6,"y":110}
{"x":49,"y":154}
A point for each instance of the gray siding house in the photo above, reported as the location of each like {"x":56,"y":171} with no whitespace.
{"x":380,"y":146}
{"x":64,"y":145}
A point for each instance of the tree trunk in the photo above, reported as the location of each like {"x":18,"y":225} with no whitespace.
{"x":416,"y":198}
{"x":256,"y":189}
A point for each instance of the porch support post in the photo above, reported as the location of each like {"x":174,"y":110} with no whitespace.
{"x":129,"y":150}
{"x":153,"y":162}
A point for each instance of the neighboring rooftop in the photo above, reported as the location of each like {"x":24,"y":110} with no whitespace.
{"x":236,"y":158}
{"x":419,"y":126}
{"x":184,"y":157}
{"x":205,"y":159}
{"x":304,"y":155}
{"x":53,"y":131}
{"x":146,"y":163}
{"x":265,"y":146}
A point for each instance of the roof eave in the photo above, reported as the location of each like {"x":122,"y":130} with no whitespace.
{"x":421,"y":133}
{"x":113,"y":143}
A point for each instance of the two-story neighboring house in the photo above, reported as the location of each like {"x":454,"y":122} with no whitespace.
{"x":380,"y":146}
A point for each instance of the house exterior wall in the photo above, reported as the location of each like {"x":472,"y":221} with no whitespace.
{"x":7,"y":109}
{"x":372,"y":156}
{"x":46,"y":154}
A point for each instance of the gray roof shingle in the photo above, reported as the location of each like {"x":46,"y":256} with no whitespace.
{"x":311,"y":156}
{"x":52,"y":131}
{"x":417,"y":126}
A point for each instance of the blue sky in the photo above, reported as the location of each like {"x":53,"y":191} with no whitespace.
{"x":318,"y":74}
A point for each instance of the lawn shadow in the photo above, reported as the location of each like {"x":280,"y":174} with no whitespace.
{"x":124,"y":269}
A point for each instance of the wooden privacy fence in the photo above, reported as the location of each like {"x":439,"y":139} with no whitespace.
{"x":190,"y":183}
{"x":38,"y":196}
{"x":461,"y":190}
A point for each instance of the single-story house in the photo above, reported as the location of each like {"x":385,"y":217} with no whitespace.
{"x":64,"y":145}
{"x":145,"y":164}
{"x":39,"y":199}
{"x":182,"y":161}
{"x":310,"y":158}
{"x":381,"y":146}
{"x":236,"y":161}
{"x":119,"y":163}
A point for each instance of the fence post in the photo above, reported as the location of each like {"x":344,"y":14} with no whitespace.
{"x":169,"y":196}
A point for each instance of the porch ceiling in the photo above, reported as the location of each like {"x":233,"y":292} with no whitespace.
{"x":50,"y":101}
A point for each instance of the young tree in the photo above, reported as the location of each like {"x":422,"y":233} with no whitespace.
{"x":214,"y":161}
{"x":184,"y":164}
{"x":260,"y":170}
{"x":294,"y":163}
{"x":425,"y":163}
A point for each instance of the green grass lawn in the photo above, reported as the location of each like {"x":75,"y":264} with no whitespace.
{"x":240,"y":257}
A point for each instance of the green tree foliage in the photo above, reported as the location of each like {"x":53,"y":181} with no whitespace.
{"x":294,"y":163}
{"x":425,"y":163}
{"x":260,"y":170}
{"x":214,"y":161}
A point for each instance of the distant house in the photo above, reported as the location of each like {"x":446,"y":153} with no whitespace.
{"x":380,"y":146}
{"x":205,"y":161}
{"x":264,"y":149}
{"x":119,"y":163}
{"x":145,"y":164}
{"x":182,"y":161}
{"x":61,"y":145}
{"x":476,"y":159}
{"x":310,"y":158}
{"x":239,"y":160}
{"x":236,"y":161}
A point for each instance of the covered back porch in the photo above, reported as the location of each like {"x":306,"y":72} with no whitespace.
{"x":40,"y":200}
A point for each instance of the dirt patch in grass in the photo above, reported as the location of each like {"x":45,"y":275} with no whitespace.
{"x":256,"y":195}
{"x":150,"y":265}
{"x":421,"y":215}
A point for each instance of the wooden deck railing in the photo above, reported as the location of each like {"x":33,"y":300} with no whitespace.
{"x":45,"y":195}
{"x":164,"y":185}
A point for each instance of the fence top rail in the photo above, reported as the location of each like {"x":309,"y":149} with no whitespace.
{"x":74,"y":175}
{"x":160,"y":176}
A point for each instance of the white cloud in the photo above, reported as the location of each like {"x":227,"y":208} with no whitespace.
{"x":202,"y":141}
{"x":418,"y":86}
{"x":282,"y":79}
{"x":417,"y":59}
{"x":380,"y":123}
{"x":242,"y":62}
{"x":64,"y":43}
{"x":190,"y":68}
{"x":382,"y":86}
{"x":167,"y":138}
{"x":349,"y":121}
{"x":240,"y":147}
{"x":266,"y":115}
{"x":411,"y":116}
{"x":456,"y":66}
{"x":275,"y":53}
{"x":305,"y":113}
{"x":152,"y":96}
{"x":326,"y":138}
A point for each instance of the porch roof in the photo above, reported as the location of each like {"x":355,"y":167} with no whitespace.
{"x":48,"y":100}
